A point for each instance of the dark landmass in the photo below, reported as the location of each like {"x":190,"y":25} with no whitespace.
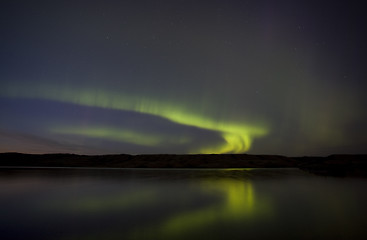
{"x":333,"y":165}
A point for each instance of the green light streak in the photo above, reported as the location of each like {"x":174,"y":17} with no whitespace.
{"x":123,"y":135}
{"x":239,"y":204}
{"x":114,"y":202}
{"x":237,"y":136}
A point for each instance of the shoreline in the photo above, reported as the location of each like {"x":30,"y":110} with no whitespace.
{"x":333,"y":165}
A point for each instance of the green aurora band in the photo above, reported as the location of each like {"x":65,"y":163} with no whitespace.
{"x":120,"y":135}
{"x":237,"y":136}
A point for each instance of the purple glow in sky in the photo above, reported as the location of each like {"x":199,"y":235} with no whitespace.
{"x":262,"y":77}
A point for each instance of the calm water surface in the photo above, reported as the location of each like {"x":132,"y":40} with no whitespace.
{"x":180,"y":204}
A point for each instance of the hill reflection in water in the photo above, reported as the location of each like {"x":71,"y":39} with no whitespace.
{"x":179,"y":204}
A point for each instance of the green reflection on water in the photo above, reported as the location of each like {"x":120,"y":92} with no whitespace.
{"x":232,"y":203}
{"x":238,"y":203}
{"x":114,"y":202}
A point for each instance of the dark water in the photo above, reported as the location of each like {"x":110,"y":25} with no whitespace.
{"x":180,"y":204}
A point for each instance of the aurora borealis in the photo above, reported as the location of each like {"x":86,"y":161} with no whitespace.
{"x":261,"y":77}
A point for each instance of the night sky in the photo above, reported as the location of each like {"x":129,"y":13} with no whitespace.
{"x":107,"y":77}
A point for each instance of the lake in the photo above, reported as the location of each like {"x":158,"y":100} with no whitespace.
{"x":67,"y":203}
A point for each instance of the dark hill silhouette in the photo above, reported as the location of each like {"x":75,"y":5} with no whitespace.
{"x":337,"y":165}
